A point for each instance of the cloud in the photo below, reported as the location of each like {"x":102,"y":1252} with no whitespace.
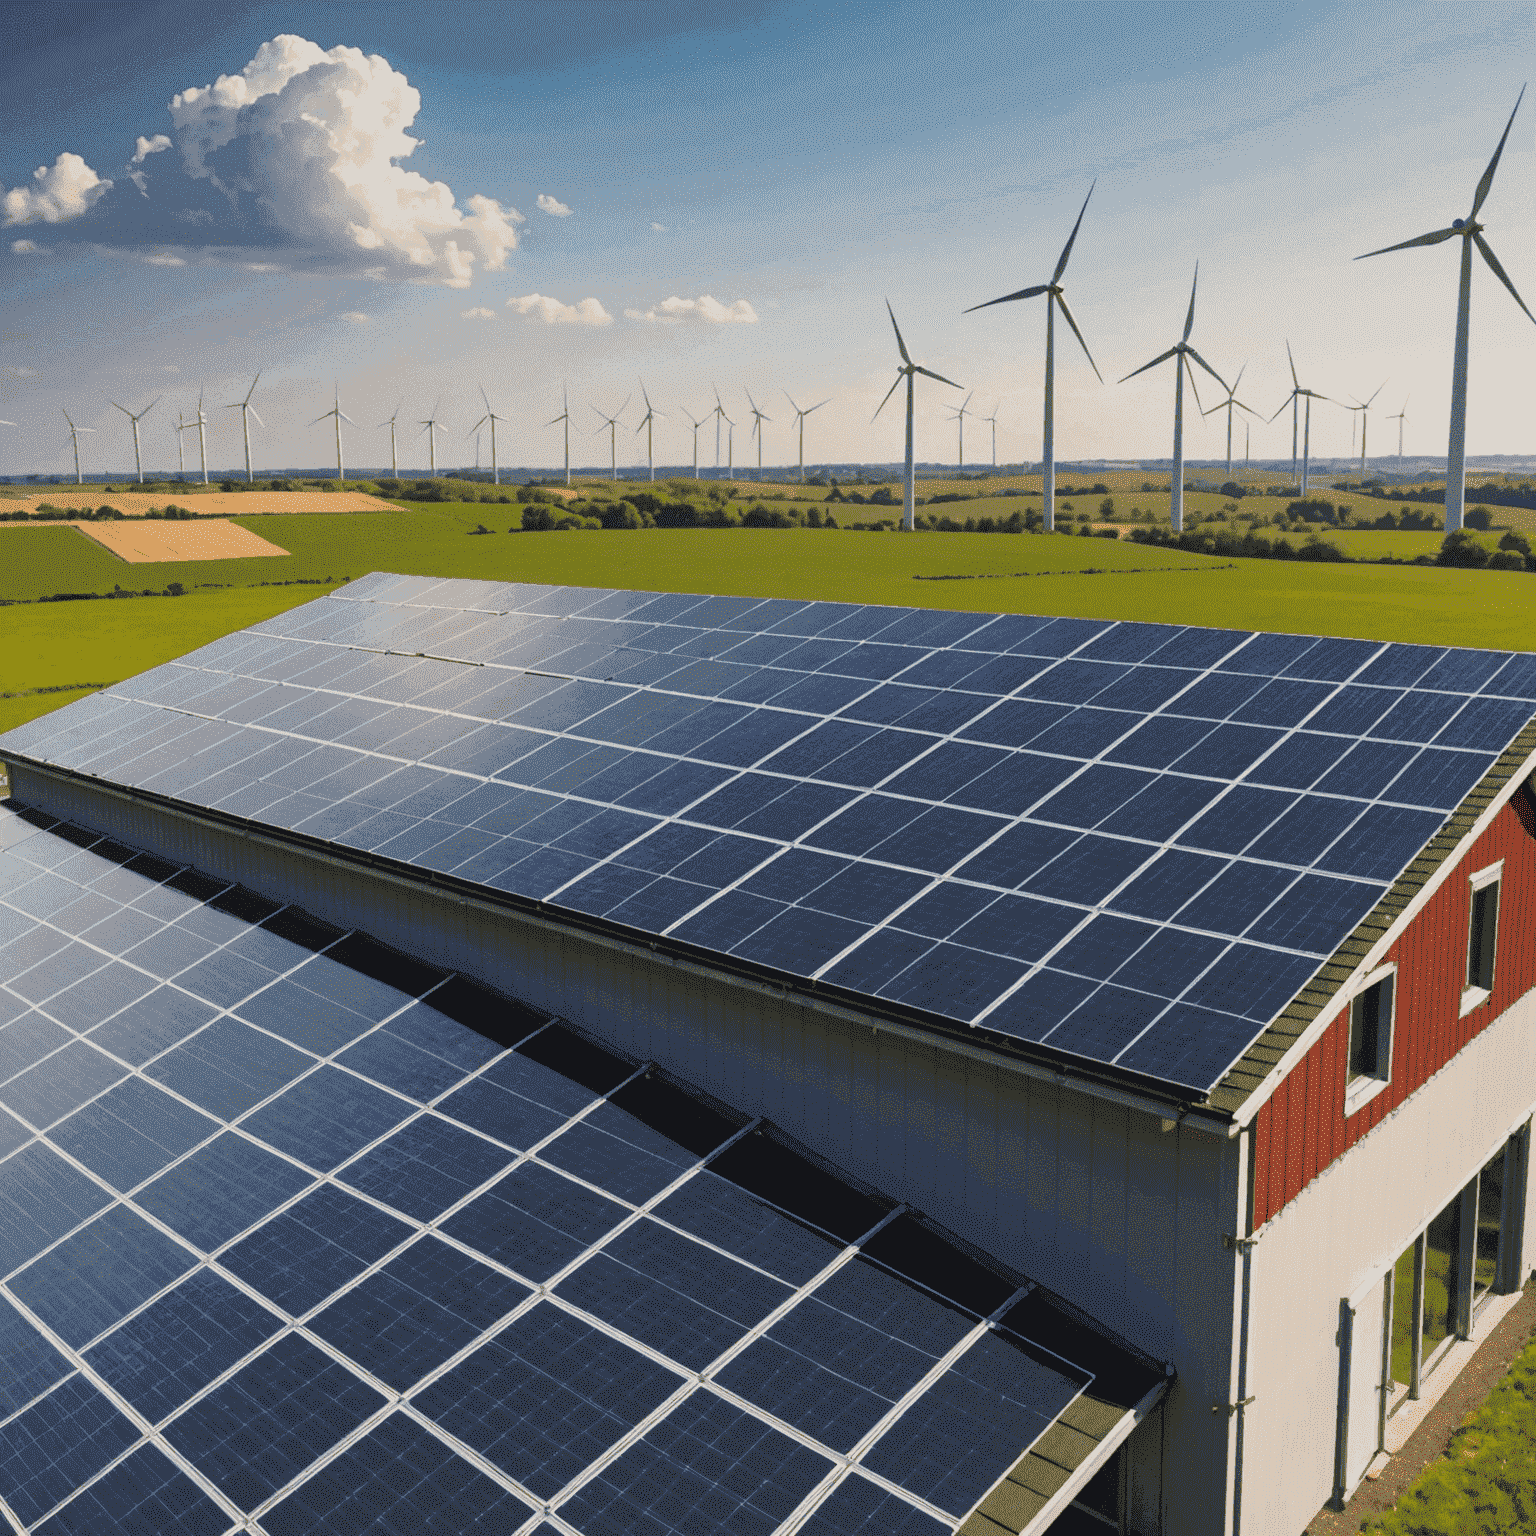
{"x":478,"y":313}
{"x":27,"y":248}
{"x":169,"y":368}
{"x":64,"y":191}
{"x":553,"y":312}
{"x":160,"y":259}
{"x":659,"y":228}
{"x":297,"y":158}
{"x":553,"y":206}
{"x":705,"y":309}
{"x":356,"y":316}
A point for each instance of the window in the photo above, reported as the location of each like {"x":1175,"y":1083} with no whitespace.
{"x":1370,"y":1040}
{"x":1482,"y":937}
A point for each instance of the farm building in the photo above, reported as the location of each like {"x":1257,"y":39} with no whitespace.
{"x":493,"y":1057}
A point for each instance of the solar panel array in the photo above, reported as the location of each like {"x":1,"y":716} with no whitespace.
{"x":1130,"y":843}
{"x":283,"y":1240}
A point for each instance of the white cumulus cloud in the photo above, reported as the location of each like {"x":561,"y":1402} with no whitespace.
{"x":63,"y":191}
{"x":709,"y":311}
{"x":553,"y":312}
{"x":356,"y":316}
{"x":478,"y":313}
{"x":553,"y":206}
{"x":660,"y":228}
{"x":143,"y":148}
{"x":27,"y":248}
{"x":160,"y":259}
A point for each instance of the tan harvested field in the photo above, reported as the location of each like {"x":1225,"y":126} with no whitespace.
{"x":203,"y":503}
{"x":214,"y":538}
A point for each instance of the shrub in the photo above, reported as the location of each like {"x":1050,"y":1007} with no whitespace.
{"x":1107,"y":507}
{"x":537,"y":518}
{"x":1479,"y":518}
{"x":1517,"y":542}
{"x":1462,"y":550}
{"x":1507,"y":560}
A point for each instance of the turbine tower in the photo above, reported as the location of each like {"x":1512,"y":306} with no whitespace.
{"x":758,"y":418}
{"x":181,"y":450}
{"x":645,"y":421}
{"x":565,"y":416}
{"x":960,"y":417}
{"x":1227,"y":405}
{"x":247,"y":410}
{"x":1294,"y":399}
{"x":1400,"y":418}
{"x":696,"y":425}
{"x":1182,"y":353}
{"x":341,"y":416}
{"x":1471,"y":233}
{"x":800,"y":422}
{"x":137,"y":462}
{"x":394,"y":462}
{"x":612,"y":423}
{"x":992,"y":421}
{"x":74,"y":435}
{"x":431,"y":427}
{"x":1363,"y":406}
{"x":719,"y":414}
{"x":202,"y":438}
{"x":1054,"y":297}
{"x":493,"y":418}
{"x":908,"y":370}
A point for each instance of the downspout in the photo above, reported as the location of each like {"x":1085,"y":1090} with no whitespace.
{"x":1244,"y":1243}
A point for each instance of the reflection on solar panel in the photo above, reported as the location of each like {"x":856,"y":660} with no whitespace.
{"x":346,"y":1263}
{"x":1130,"y":843}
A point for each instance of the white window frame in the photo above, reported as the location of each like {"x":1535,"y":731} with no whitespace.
{"x":1471,"y":996}
{"x":1365,"y":1088}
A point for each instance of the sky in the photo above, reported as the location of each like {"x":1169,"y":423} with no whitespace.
{"x":404,"y":204}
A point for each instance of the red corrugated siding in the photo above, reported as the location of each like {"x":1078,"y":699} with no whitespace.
{"x":1302,"y":1129}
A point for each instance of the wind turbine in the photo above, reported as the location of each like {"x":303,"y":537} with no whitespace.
{"x":1054,"y":296}
{"x":1182,"y":354}
{"x":1400,"y":418}
{"x":696,"y":425}
{"x":960,"y":417}
{"x":645,"y":421}
{"x":493,"y":418}
{"x":992,"y":419}
{"x":394,"y":463}
{"x":181,"y":455}
{"x":719,"y":414}
{"x":1294,"y":400}
{"x":1471,"y":233}
{"x":137,"y":462}
{"x":341,"y":416}
{"x":1363,"y":406}
{"x":431,"y":428}
{"x":800,"y":422}
{"x":74,"y":435}
{"x":202,"y":439}
{"x":612,"y":423}
{"x":247,"y":410}
{"x":1227,"y":406}
{"x":757,"y":428}
{"x":908,"y":370}
{"x":565,"y":416}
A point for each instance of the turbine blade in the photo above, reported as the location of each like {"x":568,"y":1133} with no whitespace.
{"x":477,"y":426}
{"x":1295,"y":382}
{"x":1066,"y":251}
{"x":1286,"y":402}
{"x":1189,"y":319}
{"x":346,"y":418}
{"x":1161,"y":358}
{"x":1433,"y":238}
{"x":901,"y":345}
{"x":1008,"y":298}
{"x":1493,"y":165}
{"x":259,"y":421}
{"x":1379,"y":389}
{"x":793,"y":406}
{"x":1192,"y":353}
{"x":152,"y":404}
{"x":252,"y":390}
{"x":318,"y":419}
{"x":930,"y":374}
{"x":1061,"y":299}
{"x":1499,"y":272}
{"x":1237,"y":382}
{"x":819,"y":405}
{"x":124,"y":409}
{"x":486,"y":398}
{"x":891,"y":391}
{"x":965,"y":403}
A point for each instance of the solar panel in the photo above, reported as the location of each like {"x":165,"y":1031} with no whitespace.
{"x":299,"y":1266}
{"x":674,"y":759}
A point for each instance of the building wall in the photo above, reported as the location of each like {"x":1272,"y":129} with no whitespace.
{"x":1302,"y":1130}
{"x":1343,"y":1231}
{"x":1092,"y":1199}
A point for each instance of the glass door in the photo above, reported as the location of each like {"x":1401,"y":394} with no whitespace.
{"x":1490,"y":1227}
{"x":1442,"y":1261}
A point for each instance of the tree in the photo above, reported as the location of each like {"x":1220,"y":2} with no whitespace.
{"x":1479,"y":518}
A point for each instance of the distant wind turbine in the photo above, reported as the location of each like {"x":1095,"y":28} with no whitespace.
{"x":800,"y":422}
{"x":758,"y":418}
{"x":1294,"y":399}
{"x":432,"y":427}
{"x":1400,"y":418}
{"x":960,"y":417}
{"x":247,"y":410}
{"x":1471,"y":233}
{"x":992,"y":419}
{"x":696,"y":425}
{"x":137,"y":462}
{"x":1182,"y":353}
{"x":493,"y":418}
{"x":719,"y":414}
{"x":908,"y":370}
{"x":341,"y":416}
{"x":1228,"y":405}
{"x":565,"y":416}
{"x":645,"y":421}
{"x":394,"y":462}
{"x":1363,"y":406}
{"x":612,"y":423}
{"x":1054,"y":297}
{"x":181,"y":453}
{"x":74,"y":436}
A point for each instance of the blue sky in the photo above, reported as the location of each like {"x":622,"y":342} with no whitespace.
{"x":774,"y":170}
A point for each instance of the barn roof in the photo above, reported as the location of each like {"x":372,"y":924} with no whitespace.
{"x":1122,"y":848}
{"x":283,"y":1237}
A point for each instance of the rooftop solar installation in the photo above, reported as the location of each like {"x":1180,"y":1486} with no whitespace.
{"x":1118,"y":843}
{"x":286,"y":1246}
